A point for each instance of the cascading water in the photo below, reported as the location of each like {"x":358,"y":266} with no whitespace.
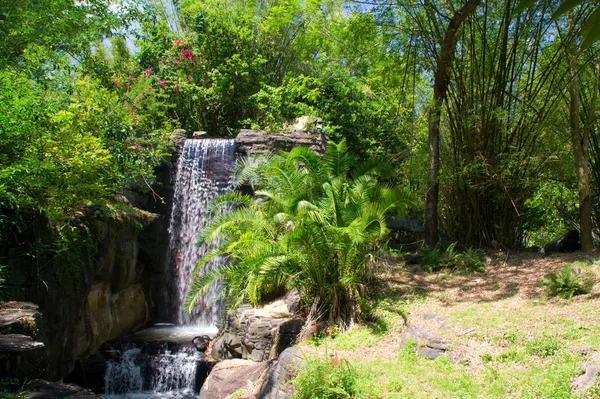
{"x":204,"y":171}
{"x":171,"y":371}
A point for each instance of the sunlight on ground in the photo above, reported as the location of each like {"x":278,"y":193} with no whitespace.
{"x":508,"y":339}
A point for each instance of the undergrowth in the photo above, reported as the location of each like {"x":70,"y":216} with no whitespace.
{"x":567,"y":282}
{"x":324,"y":377}
{"x":468,"y":261}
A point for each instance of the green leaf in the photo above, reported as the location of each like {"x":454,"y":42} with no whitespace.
{"x":565,"y":7}
{"x":522,"y":6}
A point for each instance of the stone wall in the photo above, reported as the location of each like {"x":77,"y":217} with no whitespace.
{"x":89,"y":288}
{"x":259,"y":142}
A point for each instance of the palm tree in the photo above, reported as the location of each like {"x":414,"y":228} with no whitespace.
{"x":313,"y":224}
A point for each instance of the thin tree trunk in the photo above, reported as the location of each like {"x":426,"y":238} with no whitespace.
{"x":580,"y":144}
{"x":440,"y":86}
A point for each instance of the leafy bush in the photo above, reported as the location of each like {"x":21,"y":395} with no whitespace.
{"x":567,"y":282}
{"x":316,"y":227}
{"x":325,"y":378}
{"x":469,"y":261}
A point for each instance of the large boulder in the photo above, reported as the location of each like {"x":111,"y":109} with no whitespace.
{"x":108,"y":315}
{"x":236,"y":375}
{"x":258,"y":334}
{"x":275,"y":382}
{"x":249,"y":142}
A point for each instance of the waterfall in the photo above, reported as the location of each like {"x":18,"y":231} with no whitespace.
{"x":204,"y":170}
{"x":161,"y":362}
{"x":153,"y":370}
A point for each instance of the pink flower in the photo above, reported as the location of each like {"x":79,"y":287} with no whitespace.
{"x":175,"y":88}
{"x":136,"y":145}
{"x":132,"y":111}
{"x":177,"y":42}
{"x":177,"y":62}
{"x":127,"y":86}
{"x":116,"y":82}
{"x":161,"y":83}
{"x":187,"y":54}
{"x":135,"y":120}
{"x":148,"y":72}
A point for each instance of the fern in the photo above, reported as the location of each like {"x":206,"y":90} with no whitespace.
{"x":566,"y":283}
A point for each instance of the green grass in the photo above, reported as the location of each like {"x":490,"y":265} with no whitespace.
{"x":516,"y":347}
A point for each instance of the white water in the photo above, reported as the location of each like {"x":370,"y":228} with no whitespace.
{"x":204,"y":170}
{"x":137,"y":371}
{"x":166,"y":374}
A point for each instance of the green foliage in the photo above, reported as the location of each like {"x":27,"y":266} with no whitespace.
{"x":9,"y":389}
{"x":567,"y":282}
{"x":316,"y":225}
{"x":325,"y":378}
{"x":551,"y":210}
{"x":69,"y":142}
{"x":468,"y":261}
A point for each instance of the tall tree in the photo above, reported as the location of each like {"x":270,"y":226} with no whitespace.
{"x":440,"y":87}
{"x":579,"y":141}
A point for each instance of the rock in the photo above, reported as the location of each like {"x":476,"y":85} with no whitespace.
{"x":18,"y":318}
{"x":586,"y":381}
{"x":258,"y":334}
{"x":201,"y":342}
{"x":178,"y":135}
{"x":41,"y":389}
{"x":199,"y":134}
{"x":275,"y":383}
{"x":405,"y":234}
{"x":108,"y":315}
{"x":428,"y":346}
{"x":292,"y":301}
{"x":21,"y":357}
{"x":231,"y":376}
{"x":406,"y":224}
{"x":258,"y":142}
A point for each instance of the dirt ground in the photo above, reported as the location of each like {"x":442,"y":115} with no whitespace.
{"x":511,"y":281}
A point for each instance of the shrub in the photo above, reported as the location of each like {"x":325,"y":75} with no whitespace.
{"x":325,"y":378}
{"x":566,"y":282}
{"x":470,"y":260}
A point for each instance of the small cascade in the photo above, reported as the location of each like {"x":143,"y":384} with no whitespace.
{"x":153,"y":370}
{"x":204,"y":170}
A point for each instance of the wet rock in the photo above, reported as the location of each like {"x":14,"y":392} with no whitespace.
{"x":231,"y":376}
{"x":41,"y":389}
{"x":21,"y":357}
{"x":201,"y":342}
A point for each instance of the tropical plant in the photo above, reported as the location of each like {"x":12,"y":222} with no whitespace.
{"x":314,"y":224}
{"x":325,"y":377}
{"x":567,"y":282}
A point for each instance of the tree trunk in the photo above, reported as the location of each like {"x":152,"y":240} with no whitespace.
{"x":579,"y":140}
{"x":440,"y":86}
